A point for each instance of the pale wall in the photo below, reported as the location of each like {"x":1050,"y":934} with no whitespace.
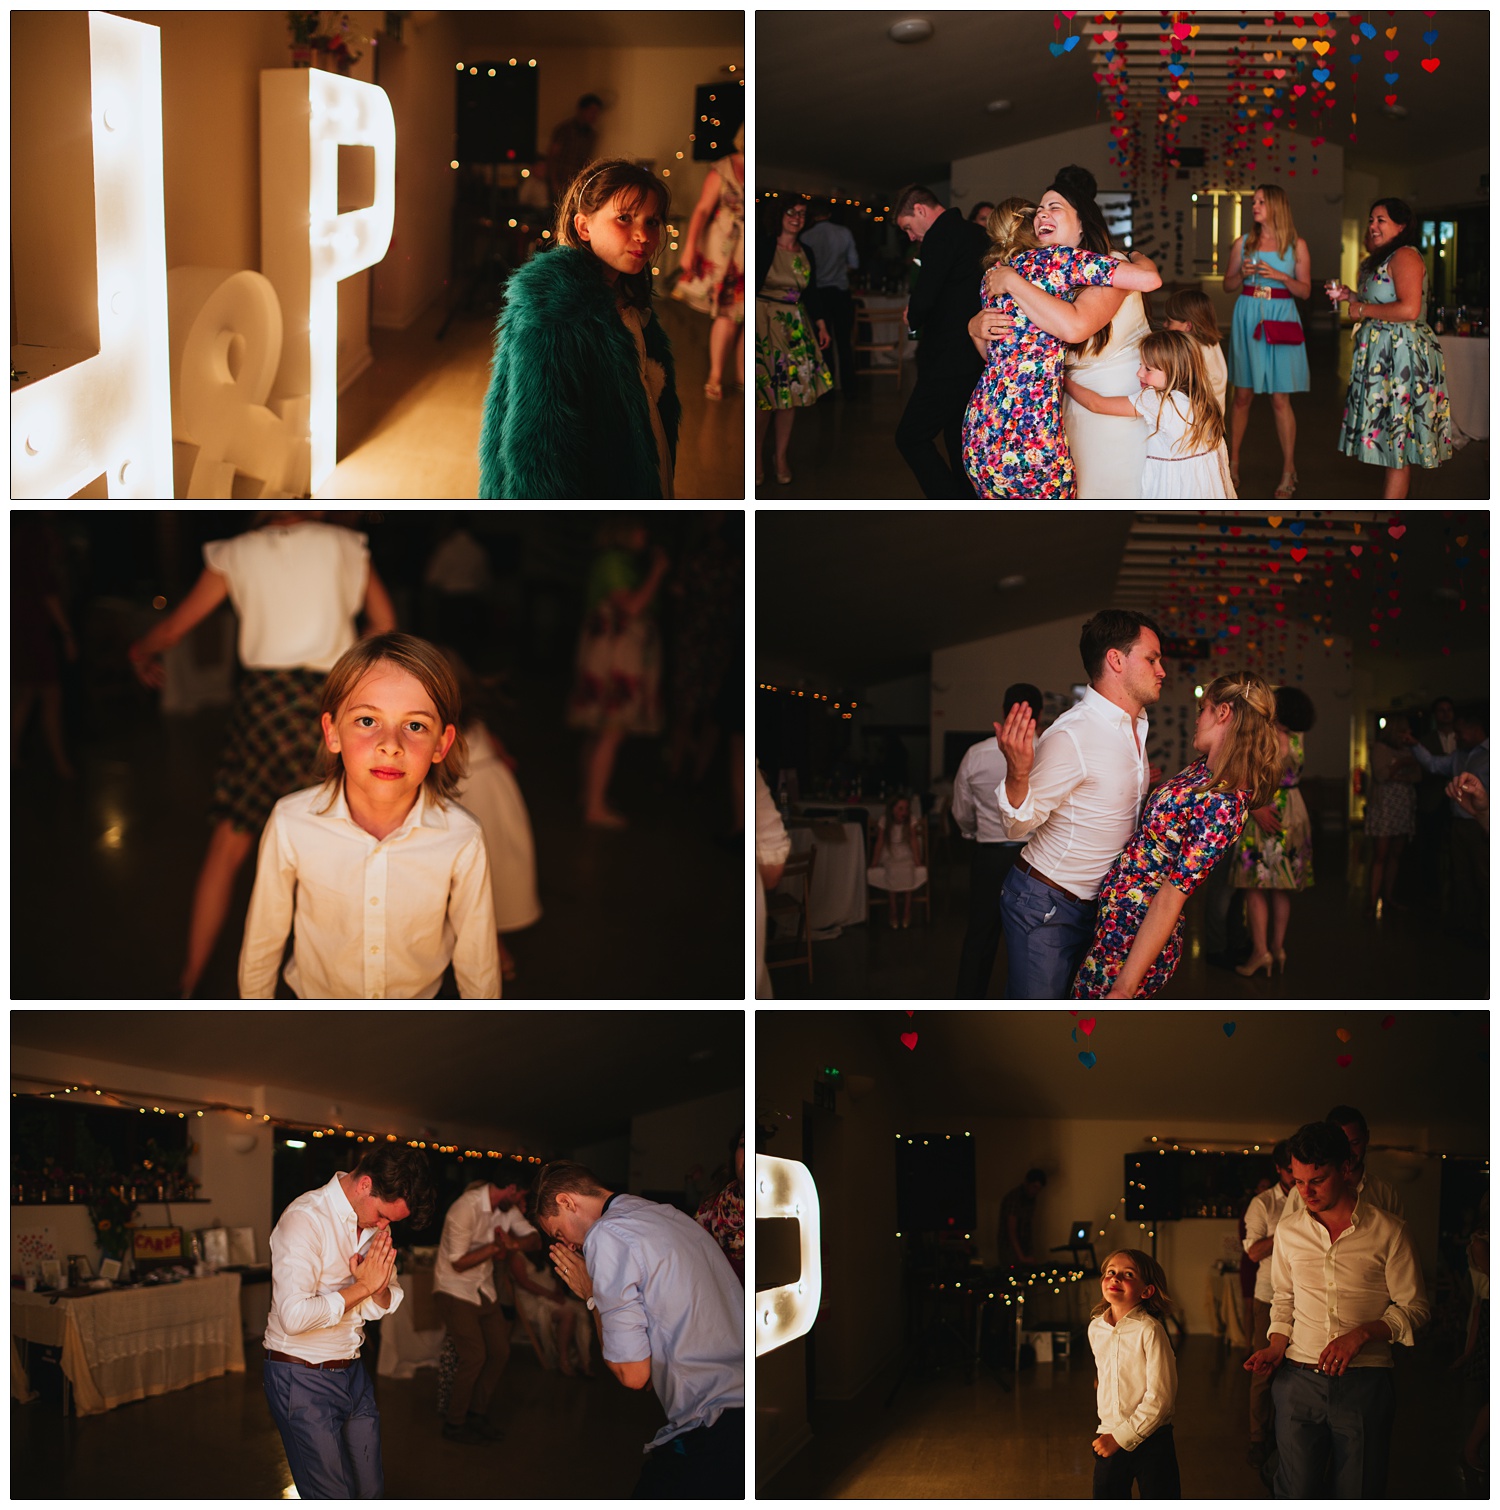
{"x":665,"y":1144}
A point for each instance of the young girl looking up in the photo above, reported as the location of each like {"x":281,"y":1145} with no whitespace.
{"x":1137,"y":1383}
{"x":381,"y":879}
{"x":1185,"y":454}
{"x":583,"y":400}
{"x":1191,"y":311}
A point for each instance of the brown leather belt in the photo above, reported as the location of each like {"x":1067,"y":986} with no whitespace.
{"x":1036,"y":875}
{"x":334,"y":1363}
{"x":1312,"y":1368}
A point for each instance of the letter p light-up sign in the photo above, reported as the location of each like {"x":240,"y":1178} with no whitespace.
{"x":784,"y":1188}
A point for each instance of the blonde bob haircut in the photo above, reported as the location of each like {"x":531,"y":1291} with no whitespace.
{"x":420,"y":660}
{"x":1278,"y":227}
{"x":592,"y":190}
{"x":1250,"y":759}
{"x":1159,"y":1303}
{"x":1010,"y":231}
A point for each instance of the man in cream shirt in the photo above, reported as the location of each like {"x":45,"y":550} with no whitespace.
{"x":1079,"y":790}
{"x":1346,"y":1286}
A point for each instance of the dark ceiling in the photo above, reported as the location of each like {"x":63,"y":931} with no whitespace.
{"x":851,"y":597}
{"x":1275,"y":1070}
{"x":876,"y":114}
{"x":558,"y":1079}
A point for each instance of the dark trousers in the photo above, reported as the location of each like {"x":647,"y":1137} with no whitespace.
{"x":481,"y":1338}
{"x":1347,"y":1418}
{"x":987,"y":872}
{"x":1046,"y":938}
{"x":936,"y":407}
{"x":1471,"y":876}
{"x":838,"y":312}
{"x":330,"y":1428}
{"x":707,"y":1463}
{"x":1153,"y":1465}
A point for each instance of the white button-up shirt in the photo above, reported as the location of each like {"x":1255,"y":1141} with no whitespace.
{"x":1323,"y":1288}
{"x":377,"y":919}
{"x":310,"y":1251}
{"x":1085,"y":795}
{"x":1137,"y":1376}
{"x":472,"y":1223}
{"x":1262,"y":1216}
{"x":974,"y":809}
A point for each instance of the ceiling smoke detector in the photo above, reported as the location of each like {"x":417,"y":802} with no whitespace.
{"x":914,"y":30}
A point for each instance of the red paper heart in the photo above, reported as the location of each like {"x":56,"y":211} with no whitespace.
{"x":1395,"y":531}
{"x":1343,"y":1035}
{"x":1393,"y":54}
{"x":1356,"y":550}
{"x":1087,"y":1024}
{"x":1345,"y":1060}
{"x":1430,"y":65}
{"x":1299,"y":554}
{"x":911,"y":1012}
{"x":909,"y":1039}
{"x":1387,"y":1022}
{"x":1390,"y":99}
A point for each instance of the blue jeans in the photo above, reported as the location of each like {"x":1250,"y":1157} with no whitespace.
{"x":330,"y":1427}
{"x":1046,"y":937}
{"x":1349,"y":1417}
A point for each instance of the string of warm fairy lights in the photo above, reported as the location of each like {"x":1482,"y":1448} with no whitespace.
{"x":833,"y":202}
{"x":834,"y":706}
{"x":144,"y":1103}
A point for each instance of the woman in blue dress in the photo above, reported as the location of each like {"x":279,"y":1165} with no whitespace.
{"x":1397,"y":413}
{"x":1270,"y":269}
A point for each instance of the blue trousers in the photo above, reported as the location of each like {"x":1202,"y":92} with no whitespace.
{"x":330,"y":1427}
{"x":1046,"y":938}
{"x":1348,"y":1416}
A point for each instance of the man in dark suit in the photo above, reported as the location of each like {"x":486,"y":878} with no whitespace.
{"x":946,"y":298}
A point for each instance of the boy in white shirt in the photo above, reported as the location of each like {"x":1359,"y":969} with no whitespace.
{"x":382,"y":878}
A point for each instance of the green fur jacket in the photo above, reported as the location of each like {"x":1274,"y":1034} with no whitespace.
{"x":567,"y":415}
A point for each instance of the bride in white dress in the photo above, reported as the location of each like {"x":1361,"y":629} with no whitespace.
{"x":1109,"y":454}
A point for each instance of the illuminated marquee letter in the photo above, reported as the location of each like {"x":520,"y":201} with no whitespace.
{"x":785,"y":1188}
{"x":111,"y":413}
{"x":307,"y":247}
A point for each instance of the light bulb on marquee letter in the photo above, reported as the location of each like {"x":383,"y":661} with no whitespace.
{"x":111,"y":413}
{"x":784,"y":1188}
{"x":307,"y":247}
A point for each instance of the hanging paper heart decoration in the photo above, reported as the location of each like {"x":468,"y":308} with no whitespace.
{"x":1320,"y":18}
{"x":1390,"y":99}
{"x":1390,"y":31}
{"x":1070,"y":44}
{"x":1393,"y":54}
{"x":1321,"y":47}
{"x":1343,"y":1035}
{"x":1429,"y":37}
{"x":1356,"y":550}
{"x":1321,"y":74}
{"x":1355,"y":59}
{"x":909,"y":1039}
{"x":1430,"y":65}
{"x":1345,"y":1060}
{"x":1387,"y":1022}
{"x":1299,"y":553}
{"x":1395,"y":531}
{"x":1299,"y":43}
{"x":1390,"y":78}
{"x":1174,"y":94}
{"x":1328,"y":639}
{"x":1087,"y":1024}
{"x":1367,"y":29}
{"x":1087,"y":1059}
{"x":1274,"y":520}
{"x":1229,"y":1030}
{"x":1299,"y":90}
{"x":1298,"y":526}
{"x":1109,"y":36}
{"x":1056,"y":49}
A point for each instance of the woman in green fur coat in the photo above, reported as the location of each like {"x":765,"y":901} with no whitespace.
{"x":582,"y":400}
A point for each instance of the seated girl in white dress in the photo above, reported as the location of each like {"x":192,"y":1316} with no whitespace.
{"x":896,"y":866}
{"x":1185,"y":452}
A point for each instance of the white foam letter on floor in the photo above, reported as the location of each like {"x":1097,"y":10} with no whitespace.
{"x":306,"y":114}
{"x":784,"y":1188}
{"x":111,"y":413}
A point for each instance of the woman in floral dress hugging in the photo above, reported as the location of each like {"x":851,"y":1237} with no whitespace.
{"x":1187,"y":825}
{"x":1014,"y":442}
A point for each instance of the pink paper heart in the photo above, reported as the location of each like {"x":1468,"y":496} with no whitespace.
{"x":1395,"y":531}
{"x":909,"y":1039}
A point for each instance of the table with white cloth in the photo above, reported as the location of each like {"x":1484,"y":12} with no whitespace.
{"x":412,"y":1337}
{"x":122,"y":1345}
{"x":1466,"y":363}
{"x":1226,"y":1303}
{"x":837,"y":899}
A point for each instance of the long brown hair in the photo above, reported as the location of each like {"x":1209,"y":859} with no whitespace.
{"x":424,"y":662}
{"x":1278,"y":224}
{"x":1250,"y":758}
{"x":592,"y":190}
{"x":1159,"y":1304}
{"x":1010,"y":231}
{"x":1176,"y":353}
{"x":1194,"y":308}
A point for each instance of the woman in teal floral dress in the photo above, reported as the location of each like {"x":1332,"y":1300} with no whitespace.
{"x":1187,"y":825}
{"x":1397,"y":414}
{"x":790,"y":337}
{"x":1275,"y":856}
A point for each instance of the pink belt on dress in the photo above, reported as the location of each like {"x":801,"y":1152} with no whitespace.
{"x":1193,"y":457}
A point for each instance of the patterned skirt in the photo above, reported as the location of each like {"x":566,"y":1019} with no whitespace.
{"x":272,"y":746}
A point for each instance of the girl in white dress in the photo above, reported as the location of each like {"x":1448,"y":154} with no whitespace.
{"x":1191,"y":311}
{"x":1185,"y":452}
{"x":896,"y":866}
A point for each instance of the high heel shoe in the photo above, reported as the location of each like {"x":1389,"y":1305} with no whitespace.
{"x":1288,"y":484}
{"x":1280,"y":961}
{"x":1256,"y":964}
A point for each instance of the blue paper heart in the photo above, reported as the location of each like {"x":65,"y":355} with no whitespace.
{"x":1229,"y":1030}
{"x":1075,"y":1035}
{"x":1175,"y":69}
{"x":1055,"y":48}
{"x":1390,"y":78}
{"x":1354,"y":59}
{"x":1320,"y":74}
{"x":1297,"y":526}
{"x":1087,"y":1060}
{"x":1070,"y":44}
{"x":1429,"y":37}
{"x":1109,"y":57}
{"x":1367,"y":29}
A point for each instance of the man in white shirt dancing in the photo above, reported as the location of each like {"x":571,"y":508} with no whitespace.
{"x":1346,"y":1286}
{"x":1079,"y":789}
{"x":324,"y":1287}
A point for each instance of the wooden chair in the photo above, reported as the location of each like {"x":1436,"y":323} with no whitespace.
{"x":894,"y":343}
{"x":878,"y":896}
{"x":781,"y":905}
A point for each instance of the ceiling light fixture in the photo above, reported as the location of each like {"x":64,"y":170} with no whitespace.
{"x":998,"y":107}
{"x":910,"y":31}
{"x":1015,"y":579}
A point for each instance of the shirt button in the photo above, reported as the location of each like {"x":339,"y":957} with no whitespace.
{"x":374,"y":948}
{"x":374,"y":901}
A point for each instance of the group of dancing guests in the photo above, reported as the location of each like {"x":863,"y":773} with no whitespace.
{"x":1039,"y":367}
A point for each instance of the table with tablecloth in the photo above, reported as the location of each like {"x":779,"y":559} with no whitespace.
{"x":838,"y":883}
{"x":1226,"y":1304}
{"x":122,"y":1345}
{"x":412,"y":1337}
{"x":1466,"y":363}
